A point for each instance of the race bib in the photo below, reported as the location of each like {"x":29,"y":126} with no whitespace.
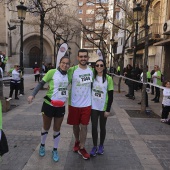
{"x":97,"y":94}
{"x":86,"y":78}
{"x":62,"y":92}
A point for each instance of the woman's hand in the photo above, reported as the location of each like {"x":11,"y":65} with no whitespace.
{"x":30,"y":99}
{"x":106,"y":114}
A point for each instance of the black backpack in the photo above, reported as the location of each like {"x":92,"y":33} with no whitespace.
{"x":3,"y":144}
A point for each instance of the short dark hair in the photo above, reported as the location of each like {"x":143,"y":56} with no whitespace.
{"x":82,"y":50}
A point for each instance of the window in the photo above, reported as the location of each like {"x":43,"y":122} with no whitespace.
{"x":117,"y":15}
{"x":89,"y":27}
{"x":80,"y":3}
{"x":90,"y":11}
{"x":89,"y":35}
{"x":100,"y":10}
{"x":89,"y":19}
{"x":89,"y":3}
{"x":101,"y":1}
{"x":80,"y":11}
{"x":99,"y":18}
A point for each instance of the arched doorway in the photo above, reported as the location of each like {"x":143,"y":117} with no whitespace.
{"x":34,"y":57}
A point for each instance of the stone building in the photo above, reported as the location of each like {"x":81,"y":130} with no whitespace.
{"x":159,"y":40}
{"x":10,"y":39}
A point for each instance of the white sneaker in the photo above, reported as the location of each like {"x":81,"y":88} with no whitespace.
{"x":9,"y":99}
{"x":163,"y":120}
{"x":21,"y":95}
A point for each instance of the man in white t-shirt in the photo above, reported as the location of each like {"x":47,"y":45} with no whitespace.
{"x":81,"y":77}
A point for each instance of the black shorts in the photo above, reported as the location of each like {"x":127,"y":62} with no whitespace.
{"x":51,"y":111}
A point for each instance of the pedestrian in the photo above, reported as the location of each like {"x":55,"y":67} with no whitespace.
{"x":148,"y":76}
{"x":37,"y":73}
{"x":129,"y":74}
{"x":152,"y":87}
{"x":15,"y":82}
{"x":54,"y":103}
{"x":156,"y":81}
{"x":118,"y":70}
{"x":79,"y":112}
{"x":166,"y":101}
{"x":102,"y":98}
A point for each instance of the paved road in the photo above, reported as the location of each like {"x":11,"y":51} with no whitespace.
{"x":131,"y":143}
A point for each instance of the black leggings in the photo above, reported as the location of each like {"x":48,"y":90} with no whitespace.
{"x":95,"y":115}
{"x":165,"y":112}
{"x":157,"y":95}
{"x":14,"y":86}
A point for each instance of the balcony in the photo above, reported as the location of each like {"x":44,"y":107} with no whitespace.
{"x":155,"y":32}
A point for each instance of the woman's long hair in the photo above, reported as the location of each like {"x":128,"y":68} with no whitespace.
{"x":104,"y":70}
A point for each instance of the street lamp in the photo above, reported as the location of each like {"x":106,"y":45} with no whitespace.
{"x":21,"y":15}
{"x":137,"y":11}
{"x":69,"y":51}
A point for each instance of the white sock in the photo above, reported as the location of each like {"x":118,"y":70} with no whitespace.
{"x":44,"y":134}
{"x":56,"y":136}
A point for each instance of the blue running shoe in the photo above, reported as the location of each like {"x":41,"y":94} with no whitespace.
{"x":101,"y":150}
{"x":55,"y":156}
{"x":93,"y":151}
{"x":42,"y":150}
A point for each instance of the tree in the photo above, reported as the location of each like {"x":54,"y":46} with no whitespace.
{"x":62,"y":25}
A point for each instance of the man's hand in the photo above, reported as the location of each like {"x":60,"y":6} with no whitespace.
{"x":30,"y":99}
{"x":106,"y":114}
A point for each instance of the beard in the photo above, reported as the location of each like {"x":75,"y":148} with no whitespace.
{"x":83,"y":63}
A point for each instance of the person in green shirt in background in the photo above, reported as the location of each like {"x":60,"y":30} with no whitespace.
{"x":148,"y":75}
{"x":118,"y":70}
{"x":156,"y":77}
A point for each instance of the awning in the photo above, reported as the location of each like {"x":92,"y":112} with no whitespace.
{"x":162,"y":43}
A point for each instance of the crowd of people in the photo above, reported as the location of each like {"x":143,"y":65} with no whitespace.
{"x":156,"y":78}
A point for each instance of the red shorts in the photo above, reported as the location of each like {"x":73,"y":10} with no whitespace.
{"x":78,"y":115}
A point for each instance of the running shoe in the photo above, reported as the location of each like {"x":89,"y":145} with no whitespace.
{"x":101,"y":150}
{"x":55,"y":155}
{"x":10,"y":98}
{"x":84,"y":153}
{"x":42,"y":150}
{"x":163,"y":120}
{"x":76,"y":146}
{"x":93,"y":151}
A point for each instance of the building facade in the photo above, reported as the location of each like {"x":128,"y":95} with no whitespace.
{"x":96,"y":29}
{"x":10,"y":39}
{"x":158,"y":50}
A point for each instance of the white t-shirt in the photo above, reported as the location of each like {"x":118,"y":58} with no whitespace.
{"x":81,"y":87}
{"x":166,"y":97}
{"x":1,"y":72}
{"x":15,"y":75}
{"x":99,"y":93}
{"x":154,"y":78}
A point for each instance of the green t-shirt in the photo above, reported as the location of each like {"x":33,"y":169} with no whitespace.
{"x":58,"y":84}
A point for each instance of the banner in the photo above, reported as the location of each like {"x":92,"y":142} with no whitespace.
{"x":99,"y":53}
{"x":61,"y":52}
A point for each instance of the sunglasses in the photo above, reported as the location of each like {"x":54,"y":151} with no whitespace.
{"x":101,"y":65}
{"x":83,"y":56}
